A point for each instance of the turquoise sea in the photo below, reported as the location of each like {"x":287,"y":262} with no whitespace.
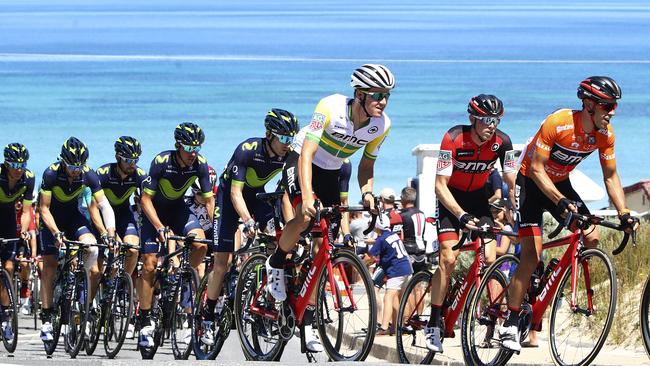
{"x":100,"y":69}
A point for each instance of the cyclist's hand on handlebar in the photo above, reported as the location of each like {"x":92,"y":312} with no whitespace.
{"x":25,"y":235}
{"x":369,"y":202}
{"x":565,"y":205}
{"x":163,"y":233}
{"x":58,"y":239}
{"x":468,"y":221}
{"x":348,"y":240}
{"x":250,"y":228}
{"x":308,"y":208}
{"x":629,"y":223}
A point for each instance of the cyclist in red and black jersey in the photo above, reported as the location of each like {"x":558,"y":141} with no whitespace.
{"x":467,"y":155}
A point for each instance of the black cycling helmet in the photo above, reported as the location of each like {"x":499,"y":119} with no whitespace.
{"x":600,"y":89}
{"x":188,"y":133}
{"x":281,"y":122}
{"x":128,"y":147}
{"x":485,"y":105}
{"x":16,"y":153}
{"x":74,"y":152}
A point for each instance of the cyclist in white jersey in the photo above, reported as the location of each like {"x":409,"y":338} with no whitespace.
{"x":339,"y":127}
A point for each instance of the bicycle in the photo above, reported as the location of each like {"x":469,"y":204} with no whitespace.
{"x":580,"y":288}
{"x":264,"y":329}
{"x":9,"y":312}
{"x":70,"y":297}
{"x":34,"y":286}
{"x":415,"y":307}
{"x":172,"y":307}
{"x":114,"y":303}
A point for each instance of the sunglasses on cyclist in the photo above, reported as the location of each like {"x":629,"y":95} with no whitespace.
{"x":377,"y":96}
{"x":489,"y":120}
{"x":74,"y":168}
{"x":607,"y":107}
{"x":191,"y":148}
{"x":15,"y":165}
{"x":129,"y":161}
{"x":284,"y":139}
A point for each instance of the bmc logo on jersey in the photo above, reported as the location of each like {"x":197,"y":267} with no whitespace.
{"x":474,"y":166}
{"x":350,"y":138}
{"x":568,"y":157}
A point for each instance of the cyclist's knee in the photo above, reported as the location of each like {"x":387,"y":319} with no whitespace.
{"x":149,"y":264}
{"x":447,"y":261}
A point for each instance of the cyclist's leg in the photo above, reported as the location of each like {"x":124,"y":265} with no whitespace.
{"x":185,"y":221}
{"x":49,"y":253}
{"x":84,"y":234}
{"x":149,"y":250}
{"x":126,"y":228}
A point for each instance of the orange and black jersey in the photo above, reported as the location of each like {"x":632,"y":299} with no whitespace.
{"x":469,"y":164}
{"x":562,"y":140}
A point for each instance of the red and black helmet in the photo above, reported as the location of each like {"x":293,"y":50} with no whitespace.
{"x":600,"y":89}
{"x":485,"y":105}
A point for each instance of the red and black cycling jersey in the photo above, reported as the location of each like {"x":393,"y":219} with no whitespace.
{"x":469,"y":164}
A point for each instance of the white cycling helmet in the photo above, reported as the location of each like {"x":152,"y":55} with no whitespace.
{"x":372,"y":76}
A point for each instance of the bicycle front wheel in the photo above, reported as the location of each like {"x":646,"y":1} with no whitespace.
{"x":577,"y":331}
{"x":9,"y":313}
{"x":95,"y":320}
{"x":644,"y":314}
{"x":119,"y":309}
{"x":77,"y":312}
{"x":346,"y":312}
{"x":413,"y":316}
{"x":182,"y":314}
{"x":484,"y":313}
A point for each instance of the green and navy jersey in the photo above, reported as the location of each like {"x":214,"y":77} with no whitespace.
{"x":167,"y":181}
{"x":64,"y":193}
{"x":251,"y":167}
{"x":118,"y":190}
{"x":332,"y":129}
{"x":24,"y":187}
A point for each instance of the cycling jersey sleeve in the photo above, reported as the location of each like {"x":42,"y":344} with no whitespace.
{"x":140,"y":176}
{"x":606,"y":152}
{"x":371,"y":150}
{"x":446,"y":156}
{"x":240,"y":161}
{"x":150,"y":183}
{"x":545,"y":138}
{"x":91,"y":180}
{"x":29,"y":187}
{"x":344,"y":178}
{"x":49,"y":180}
{"x":507,"y":155}
{"x":204,"y":177}
{"x":319,"y":121}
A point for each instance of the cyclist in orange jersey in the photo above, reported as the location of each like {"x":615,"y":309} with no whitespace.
{"x":565,"y":138}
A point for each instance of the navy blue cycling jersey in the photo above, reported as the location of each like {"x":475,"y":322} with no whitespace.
{"x":24,"y":188}
{"x":118,"y":190}
{"x":167,"y":181}
{"x":64,"y":193}
{"x":251,"y":167}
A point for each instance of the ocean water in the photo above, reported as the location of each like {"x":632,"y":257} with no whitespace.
{"x":101,"y":69}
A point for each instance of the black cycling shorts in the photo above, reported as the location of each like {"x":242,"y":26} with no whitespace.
{"x":325,"y":183}
{"x":473,"y":202}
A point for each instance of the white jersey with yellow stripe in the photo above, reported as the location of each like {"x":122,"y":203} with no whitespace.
{"x":333,"y":130}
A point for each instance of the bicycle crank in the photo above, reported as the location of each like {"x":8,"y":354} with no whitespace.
{"x":286,"y":322}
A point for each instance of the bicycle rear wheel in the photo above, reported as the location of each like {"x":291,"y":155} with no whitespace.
{"x":35,"y":298}
{"x":413,"y":315}
{"x":221,"y":326}
{"x":77,"y":312}
{"x":644,"y":314}
{"x":259,"y":336}
{"x":119,"y":310}
{"x":156,"y":315}
{"x":347,"y":330}
{"x":181,"y":320}
{"x":57,"y":313}
{"x":95,"y":320}
{"x":9,"y":316}
{"x":577,"y":335}
{"x":484,"y":313}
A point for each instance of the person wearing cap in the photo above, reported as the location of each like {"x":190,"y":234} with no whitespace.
{"x":413,"y":224}
{"x":387,"y":199}
{"x":393,"y":259}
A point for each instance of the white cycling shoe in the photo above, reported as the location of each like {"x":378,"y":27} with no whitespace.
{"x":275,"y":282}
{"x":509,"y":337}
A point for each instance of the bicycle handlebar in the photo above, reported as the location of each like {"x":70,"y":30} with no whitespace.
{"x":329,"y":211}
{"x":73,"y":244}
{"x":4,"y":241}
{"x":594,"y":220}
{"x":483,"y":231}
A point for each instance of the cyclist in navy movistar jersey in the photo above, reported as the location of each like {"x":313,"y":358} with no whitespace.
{"x":171,"y":173}
{"x":119,"y":181}
{"x":62,"y":184}
{"x":253,"y":164}
{"x":15,"y":181}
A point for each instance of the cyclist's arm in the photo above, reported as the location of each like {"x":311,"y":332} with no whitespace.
{"x":614,"y":187}
{"x":345,"y":220}
{"x":237,"y":198}
{"x":443,"y":194}
{"x":541,"y":178}
{"x":366,"y":174}
{"x":96,"y":218}
{"x":309,"y":148}
{"x":147,"y":207}
{"x":209,"y":205}
{"x":26,"y":217}
{"x":46,"y":215}
{"x":510,"y":178}
{"x":108,"y":215}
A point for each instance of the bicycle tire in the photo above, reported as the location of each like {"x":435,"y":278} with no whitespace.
{"x":96,"y":320}
{"x":11,"y":312}
{"x":78,"y":309}
{"x":120,"y":305}
{"x":366,"y":331}
{"x":587,"y":259}
{"x":251,"y":276}
{"x":644,"y":316}
{"x":201,"y":350}
{"x":157,"y":315}
{"x":57,"y":311}
{"x":180,"y":317}
{"x":36,"y":299}
{"x":405,"y":335}
{"x":476,"y":317}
